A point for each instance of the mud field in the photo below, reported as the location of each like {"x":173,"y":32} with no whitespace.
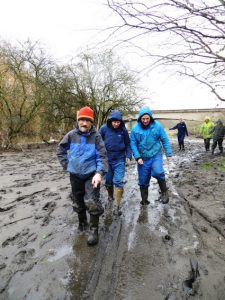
{"x":168,"y":252}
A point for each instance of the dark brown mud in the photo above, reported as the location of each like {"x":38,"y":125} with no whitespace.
{"x":172,"y":251}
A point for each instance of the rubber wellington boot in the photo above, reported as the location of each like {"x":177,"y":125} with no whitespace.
{"x":93,"y":233}
{"x":118,"y":196}
{"x":164,"y":191}
{"x":110,"y":191}
{"x":83,"y":224}
{"x":144,"y":196}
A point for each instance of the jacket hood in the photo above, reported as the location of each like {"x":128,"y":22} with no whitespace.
{"x":115,"y":115}
{"x":207,"y":118}
{"x":219,"y":122}
{"x":145,"y":110}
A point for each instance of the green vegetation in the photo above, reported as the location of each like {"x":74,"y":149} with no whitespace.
{"x":219,"y":165}
{"x":222,"y":165}
{"x":207,"y":165}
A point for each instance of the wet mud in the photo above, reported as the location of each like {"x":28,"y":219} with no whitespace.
{"x":172,"y":251}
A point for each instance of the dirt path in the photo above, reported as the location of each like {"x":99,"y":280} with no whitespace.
{"x":169,"y":251}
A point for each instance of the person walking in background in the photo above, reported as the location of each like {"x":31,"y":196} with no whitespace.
{"x":82,"y":153}
{"x":182,"y":131}
{"x":206,"y":132}
{"x":148,"y":137}
{"x":117,"y":143}
{"x":218,"y":133}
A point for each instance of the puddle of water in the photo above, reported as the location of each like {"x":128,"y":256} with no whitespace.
{"x":65,"y":250}
{"x":131,"y":238}
{"x":194,"y":246}
{"x":163,"y":230}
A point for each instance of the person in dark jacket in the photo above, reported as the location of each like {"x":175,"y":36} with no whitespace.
{"x":218,"y":132}
{"x":182,"y":131}
{"x":82,"y":153}
{"x":148,"y":137}
{"x":117,"y":143}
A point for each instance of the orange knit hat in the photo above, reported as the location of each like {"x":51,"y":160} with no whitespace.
{"x":85,"y":113}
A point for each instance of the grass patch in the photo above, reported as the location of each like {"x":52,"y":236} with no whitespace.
{"x":207,"y":165}
{"x":222,"y":165}
{"x":219,"y":165}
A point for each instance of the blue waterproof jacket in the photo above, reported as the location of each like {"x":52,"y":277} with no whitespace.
{"x":146,"y":142}
{"x":83,"y":154}
{"x":117,"y":141}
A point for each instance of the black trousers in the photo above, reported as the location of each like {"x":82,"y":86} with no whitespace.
{"x":220,"y":144}
{"x":85,"y":197}
{"x":207,"y":144}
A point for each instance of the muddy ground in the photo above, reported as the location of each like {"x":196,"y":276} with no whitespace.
{"x":173,"y":251}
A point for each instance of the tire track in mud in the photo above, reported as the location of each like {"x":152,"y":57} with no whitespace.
{"x":201,"y":190}
{"x":105,"y":268}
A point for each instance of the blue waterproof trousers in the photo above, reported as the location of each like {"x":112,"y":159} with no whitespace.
{"x":115,"y":174}
{"x":152,"y":167}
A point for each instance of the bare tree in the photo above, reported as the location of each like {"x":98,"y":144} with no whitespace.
{"x":186,"y":35}
{"x":24,"y":74}
{"x":61,"y":104}
{"x":106,"y":84}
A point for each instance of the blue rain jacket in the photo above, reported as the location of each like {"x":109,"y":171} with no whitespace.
{"x":147,"y":142}
{"x":83,"y":154}
{"x":117,"y":141}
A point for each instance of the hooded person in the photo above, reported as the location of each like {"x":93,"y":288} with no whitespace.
{"x":117,"y":143}
{"x":82,"y":154}
{"x":206,"y":132}
{"x":148,"y":138}
{"x":218,"y":133}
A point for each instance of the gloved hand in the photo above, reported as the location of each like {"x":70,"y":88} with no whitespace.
{"x":96,"y":180}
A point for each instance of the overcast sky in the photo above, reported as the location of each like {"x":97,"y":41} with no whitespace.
{"x":64,"y":27}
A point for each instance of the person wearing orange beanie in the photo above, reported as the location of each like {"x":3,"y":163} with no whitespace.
{"x":85,"y":113}
{"x":82,"y":153}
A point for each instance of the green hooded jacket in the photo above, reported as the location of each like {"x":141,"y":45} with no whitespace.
{"x":206,"y":128}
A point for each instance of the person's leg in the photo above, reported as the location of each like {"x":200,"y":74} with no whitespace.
{"x":159,"y":173}
{"x":182,"y":146}
{"x":207,"y":144}
{"x":214,"y":144}
{"x":144,"y":176}
{"x":95,"y":209}
{"x":182,"y":142}
{"x":118,"y":177}
{"x":109,"y":182}
{"x":220,"y":144}
{"x":179,"y":144}
{"x":78,"y":191}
